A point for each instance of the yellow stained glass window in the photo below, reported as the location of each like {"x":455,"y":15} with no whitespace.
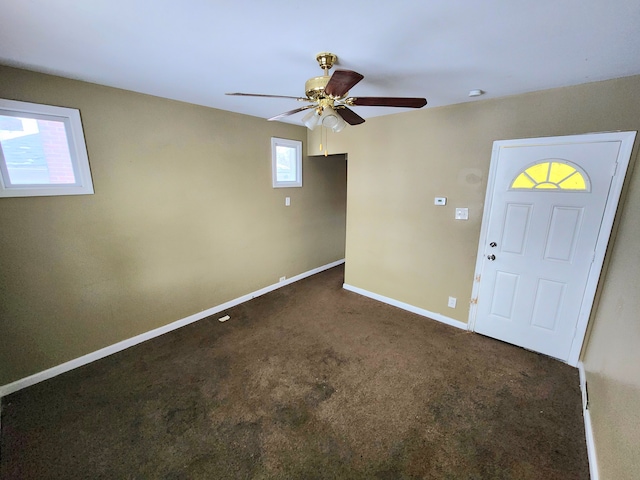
{"x":551,"y":175}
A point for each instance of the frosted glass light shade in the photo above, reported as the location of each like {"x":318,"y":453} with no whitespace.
{"x":331,"y":119}
{"x":311,"y":119}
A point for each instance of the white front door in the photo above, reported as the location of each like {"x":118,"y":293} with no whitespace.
{"x":543,"y":241}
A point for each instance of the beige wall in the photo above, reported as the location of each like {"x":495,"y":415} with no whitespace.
{"x":184,"y":218}
{"x":612,"y":355}
{"x":402,"y":246}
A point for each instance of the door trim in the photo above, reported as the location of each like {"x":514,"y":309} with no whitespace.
{"x":626,"y":140}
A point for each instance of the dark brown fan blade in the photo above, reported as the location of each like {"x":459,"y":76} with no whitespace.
{"x":300,"y":99}
{"x":341,"y":82}
{"x":349,"y":116}
{"x":291,"y":112}
{"x":388,"y":102}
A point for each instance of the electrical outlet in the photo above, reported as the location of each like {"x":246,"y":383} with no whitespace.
{"x":282,"y":279}
{"x":452,"y":302}
{"x":287,"y":201}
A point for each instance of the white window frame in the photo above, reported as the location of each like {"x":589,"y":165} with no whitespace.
{"x":77,"y":149}
{"x":295,"y":144}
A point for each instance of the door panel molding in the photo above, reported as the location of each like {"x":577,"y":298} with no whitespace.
{"x":516,"y":213}
{"x":561,"y":219}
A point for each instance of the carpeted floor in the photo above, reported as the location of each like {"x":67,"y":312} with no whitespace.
{"x":307,"y":382}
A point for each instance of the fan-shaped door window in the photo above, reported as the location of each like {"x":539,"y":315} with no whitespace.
{"x":552,"y":175}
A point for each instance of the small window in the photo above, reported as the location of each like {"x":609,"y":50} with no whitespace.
{"x":42,"y":151}
{"x":552,"y":175}
{"x":286,"y":162}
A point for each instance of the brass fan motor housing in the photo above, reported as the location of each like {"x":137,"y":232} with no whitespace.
{"x":314,"y":87}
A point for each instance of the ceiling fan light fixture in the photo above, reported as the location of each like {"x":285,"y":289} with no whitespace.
{"x":311,"y":119}
{"x":331,"y":119}
{"x":340,"y":125}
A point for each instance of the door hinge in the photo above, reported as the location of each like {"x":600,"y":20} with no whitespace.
{"x":593,"y":257}
{"x":478,"y":278}
{"x":615,"y":169}
{"x":474,"y":301}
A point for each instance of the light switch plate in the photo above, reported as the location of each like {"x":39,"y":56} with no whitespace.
{"x":462,"y":214}
{"x":440,"y":201}
{"x":287,"y":201}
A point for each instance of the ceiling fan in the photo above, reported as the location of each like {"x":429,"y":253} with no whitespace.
{"x":330,"y":101}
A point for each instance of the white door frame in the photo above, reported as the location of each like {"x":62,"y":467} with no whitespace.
{"x":626,"y":140}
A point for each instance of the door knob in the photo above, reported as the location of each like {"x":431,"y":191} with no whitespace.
{"x":491,"y":257}
{"x":493,"y":244}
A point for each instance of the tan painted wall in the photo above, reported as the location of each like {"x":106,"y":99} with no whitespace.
{"x":612,"y":355}
{"x":402,"y":246}
{"x":184,"y":218}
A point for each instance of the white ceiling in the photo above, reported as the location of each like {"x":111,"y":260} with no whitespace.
{"x":196,"y":50}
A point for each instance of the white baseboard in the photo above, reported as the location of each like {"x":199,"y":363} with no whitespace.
{"x":405,"y":306}
{"x":117,"y":347}
{"x":588,"y":430}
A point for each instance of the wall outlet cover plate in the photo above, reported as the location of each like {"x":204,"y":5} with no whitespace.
{"x":462,"y":214}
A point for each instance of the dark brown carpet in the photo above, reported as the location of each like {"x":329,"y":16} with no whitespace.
{"x":307,"y":382}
